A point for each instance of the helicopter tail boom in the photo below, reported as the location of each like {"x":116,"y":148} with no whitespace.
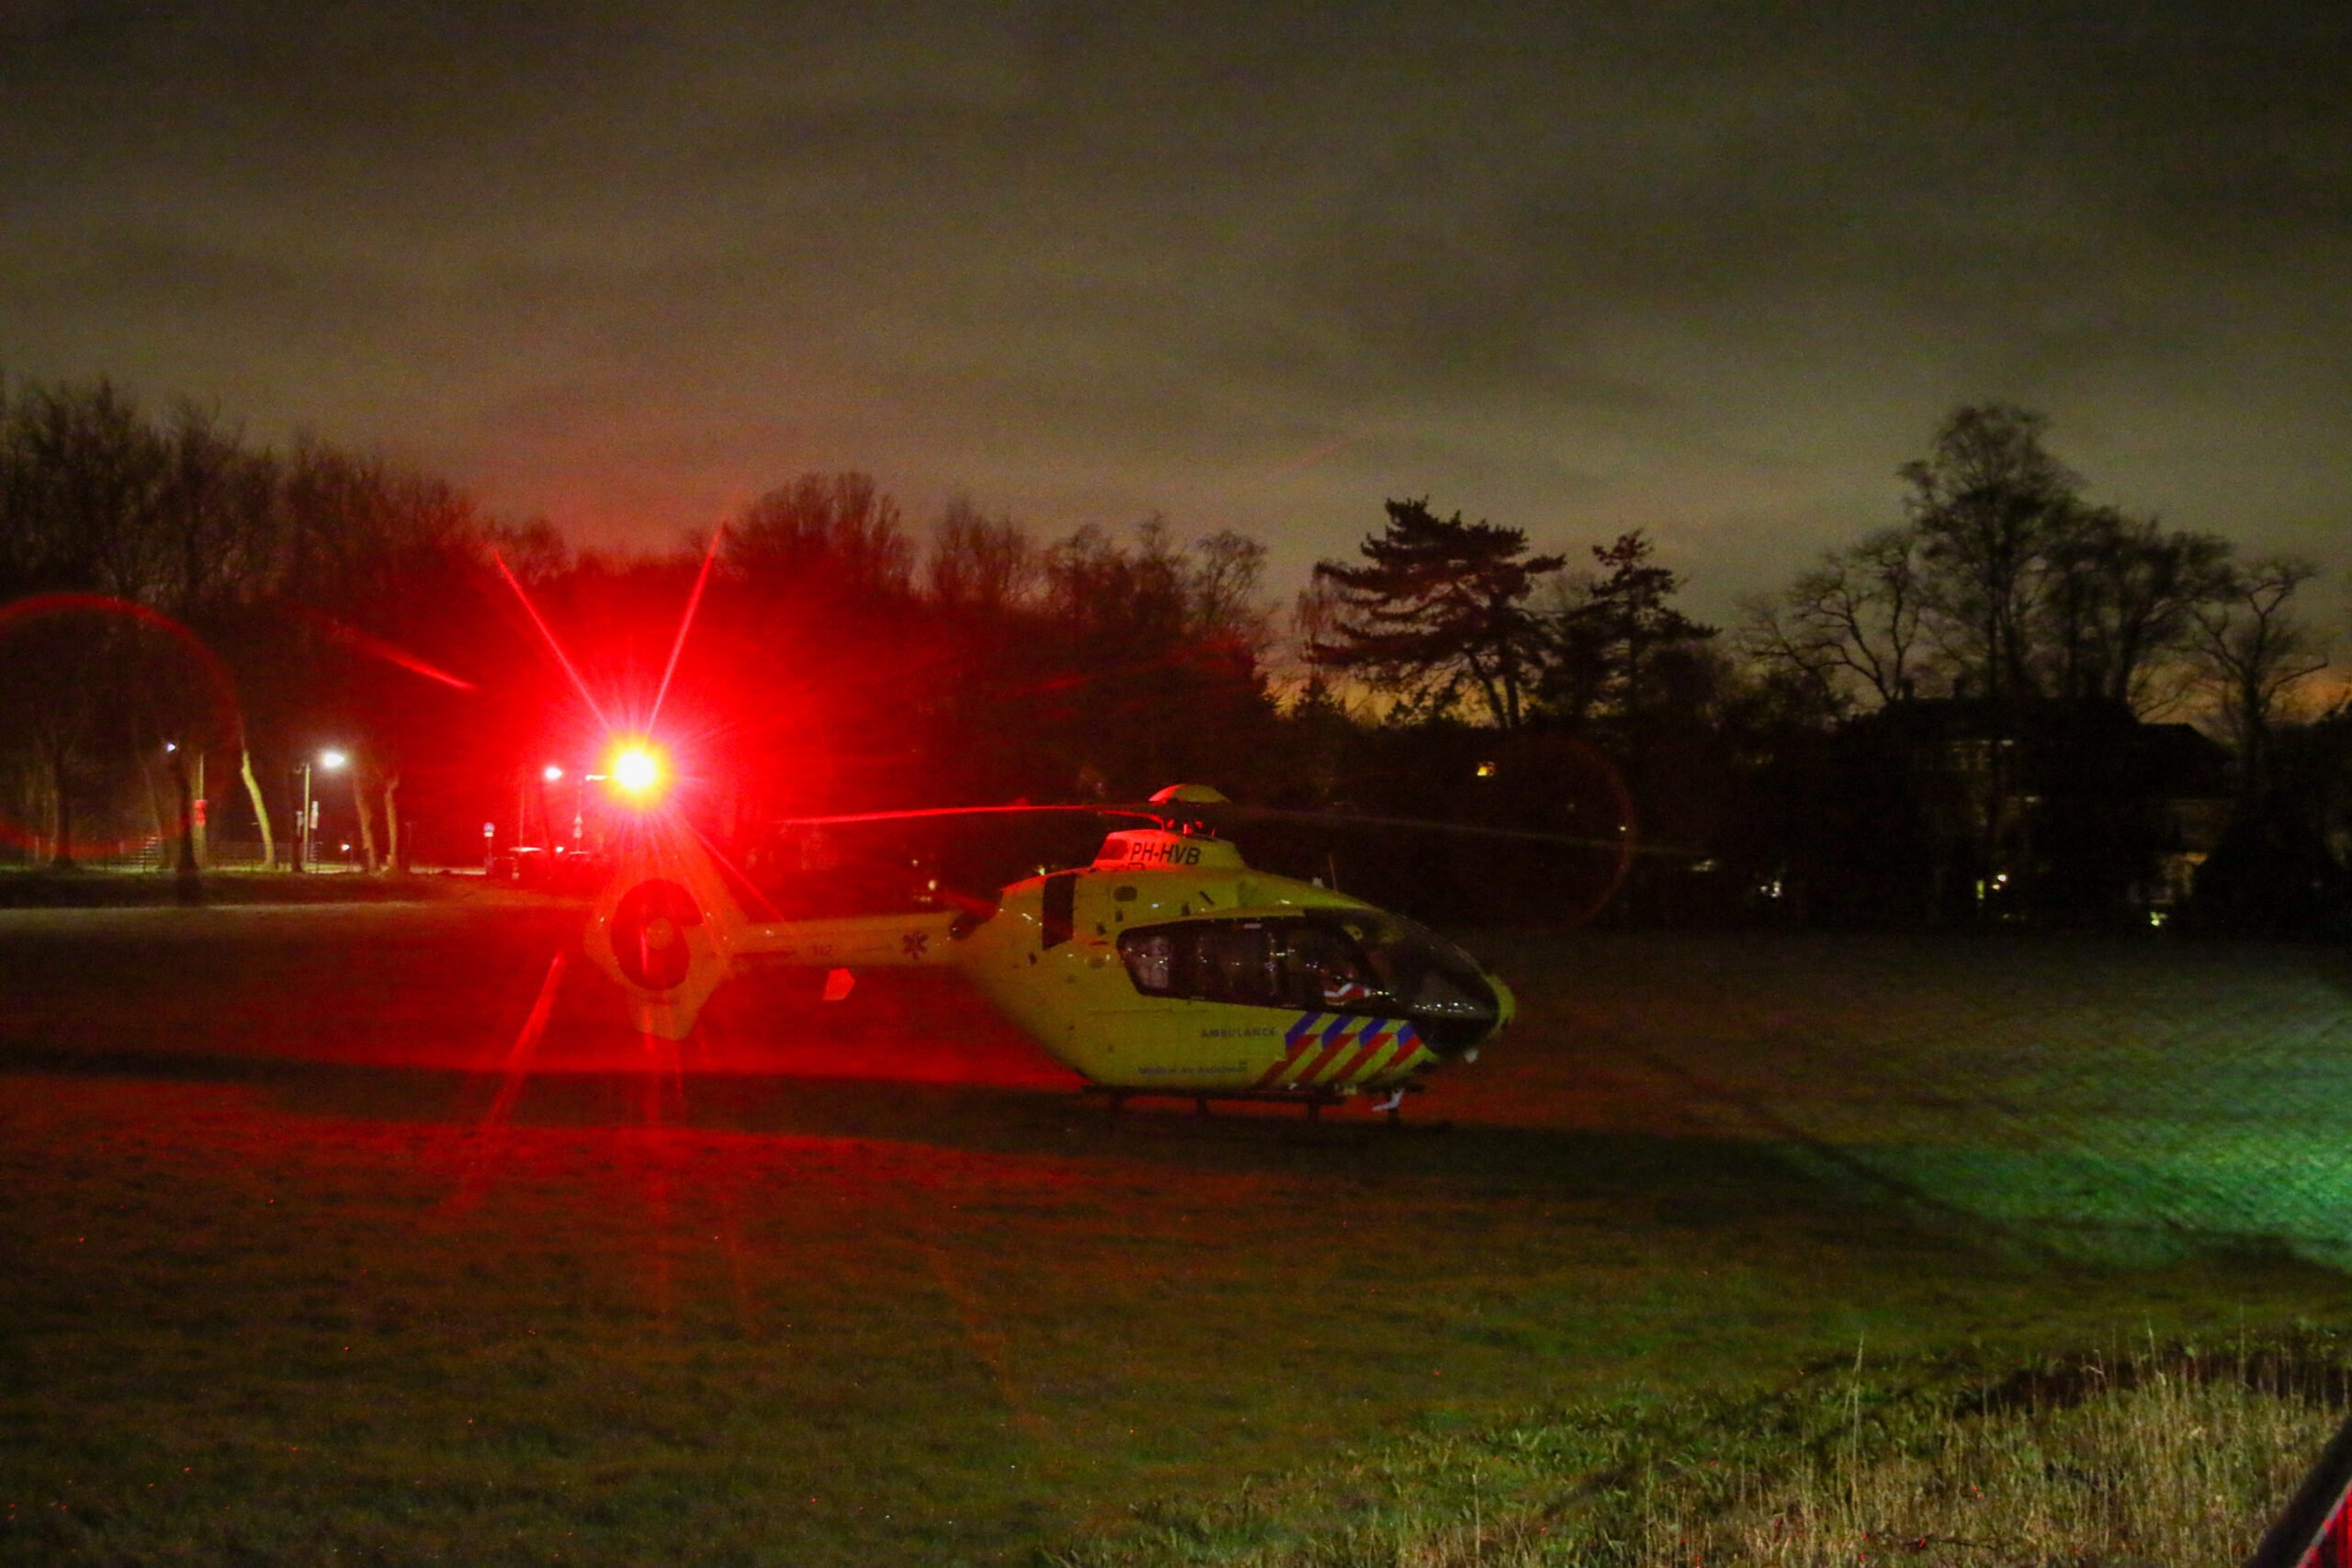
{"x":669,"y":927}
{"x":918,"y":940}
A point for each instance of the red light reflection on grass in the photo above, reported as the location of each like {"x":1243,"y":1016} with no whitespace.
{"x":514,"y":1073}
{"x":660,"y":1211}
{"x":989,"y":1344}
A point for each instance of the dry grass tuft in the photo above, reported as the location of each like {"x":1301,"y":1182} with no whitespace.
{"x":2162,"y":1456}
{"x":2161,"y":1463}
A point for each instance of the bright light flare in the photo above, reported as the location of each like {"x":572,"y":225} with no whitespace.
{"x":552,"y":774}
{"x":332,"y":760}
{"x":639,"y":770}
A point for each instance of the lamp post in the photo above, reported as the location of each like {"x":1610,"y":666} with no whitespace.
{"x":580,"y":809}
{"x":554,"y":774}
{"x":328,"y":761}
{"x":550,"y":775}
{"x":191,"y":800}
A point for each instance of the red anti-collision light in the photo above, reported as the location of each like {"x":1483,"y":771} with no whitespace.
{"x":638,"y":772}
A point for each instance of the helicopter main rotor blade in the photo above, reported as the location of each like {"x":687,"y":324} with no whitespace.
{"x":1139,"y":813}
{"x":1205,"y":813}
{"x":1345,"y":819}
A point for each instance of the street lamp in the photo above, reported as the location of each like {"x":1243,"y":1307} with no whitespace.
{"x":329,"y":761}
{"x":549,"y":776}
{"x":580,"y":808}
{"x":553,"y":773}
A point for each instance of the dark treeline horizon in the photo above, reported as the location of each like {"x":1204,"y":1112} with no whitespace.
{"x":1969,"y":715}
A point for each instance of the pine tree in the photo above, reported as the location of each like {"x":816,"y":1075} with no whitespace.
{"x":1436,"y":610}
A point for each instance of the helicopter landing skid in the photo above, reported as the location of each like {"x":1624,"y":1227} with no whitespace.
{"x":1315,"y":1100}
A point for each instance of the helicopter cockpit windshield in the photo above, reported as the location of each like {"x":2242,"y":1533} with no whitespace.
{"x":1363,"y":961}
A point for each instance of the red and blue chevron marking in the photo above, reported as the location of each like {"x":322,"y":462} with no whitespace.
{"x":1334,"y":1048}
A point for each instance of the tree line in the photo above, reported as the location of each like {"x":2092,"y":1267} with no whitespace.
{"x":2004,"y":583}
{"x":2064,"y":640}
{"x":115,"y":527}
{"x":840,"y":658}
{"x":1976,"y":710}
{"x":846,"y":657}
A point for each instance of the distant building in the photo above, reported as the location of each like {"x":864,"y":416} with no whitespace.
{"x":2059,"y":812}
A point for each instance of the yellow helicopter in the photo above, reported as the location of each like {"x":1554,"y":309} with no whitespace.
{"x":1166,"y":966}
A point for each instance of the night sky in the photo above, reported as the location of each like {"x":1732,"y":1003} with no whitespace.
{"x":1713,"y":271}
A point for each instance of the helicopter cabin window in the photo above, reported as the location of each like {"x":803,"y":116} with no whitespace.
{"x":1257,"y":963}
{"x":1151,"y":960}
{"x":1238,"y":962}
{"x":1373,"y":964}
{"x":1215,"y":961}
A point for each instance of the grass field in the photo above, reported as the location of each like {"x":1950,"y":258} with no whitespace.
{"x":318,"y":1251}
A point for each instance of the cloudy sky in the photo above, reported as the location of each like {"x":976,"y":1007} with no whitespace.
{"x":1709,"y":270}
